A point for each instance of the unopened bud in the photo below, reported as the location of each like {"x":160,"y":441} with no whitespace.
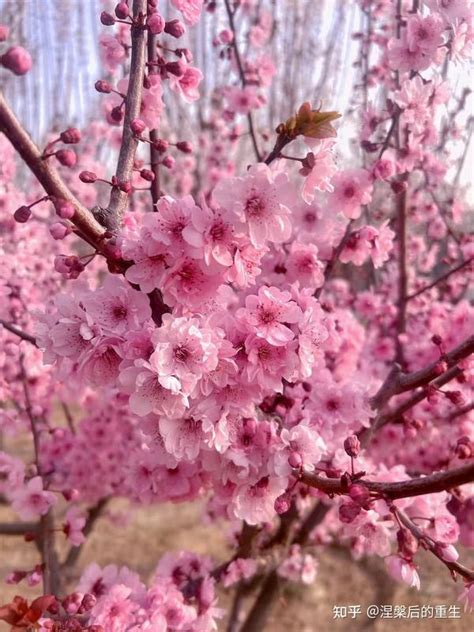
{"x":156,"y":24}
{"x":447,"y":552}
{"x":185,"y":147}
{"x":455,"y":397}
{"x":107,"y":19}
{"x":66,"y":157}
{"x":125,"y":187}
{"x":17,"y":59}
{"x":22,"y":214}
{"x":147,"y":174}
{"x":87,"y":176}
{"x":103,"y":86}
{"x":407,"y":543}
{"x":436,"y":340}
{"x":176,"y":68}
{"x":282,"y":503}
{"x":58,"y":230}
{"x":360,"y":495}
{"x":137,"y":126}
{"x":175,"y":28}
{"x":88,"y":602}
{"x":122,"y":11}
{"x":64,"y":209}
{"x":352,"y":446}
{"x":116,"y":114}
{"x":168,"y":162}
{"x":295,"y":461}
{"x":70,"y":136}
{"x":161,"y":145}
{"x":348,"y":512}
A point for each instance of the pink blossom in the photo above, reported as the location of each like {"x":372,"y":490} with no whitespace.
{"x":243,"y":100}
{"x":239,"y":569}
{"x":304,"y":265}
{"x":117,"y":307}
{"x":184,"y":351}
{"x":191,"y":10}
{"x":352,"y":189}
{"x":188,"y":283}
{"x":258,"y":200}
{"x":112,"y":51}
{"x":265,"y":314}
{"x":319,"y":167}
{"x":187,"y":84}
{"x":403,"y":58}
{"x":114,"y":612}
{"x":268,"y":364}
{"x":401,"y":570}
{"x":212,"y":231}
{"x":254,"y":503}
{"x":31,"y":500}
{"x":424,"y":33}
{"x":75,"y":522}
{"x":152,"y":105}
{"x":467,"y":596}
{"x":304,"y":442}
{"x":298,"y":566}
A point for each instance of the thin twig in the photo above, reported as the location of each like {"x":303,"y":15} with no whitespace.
{"x":13,"y":329}
{"x":440,"y":279}
{"x":94,"y":514}
{"x":441,"y":481}
{"x":238,"y":59}
{"x":328,"y":272}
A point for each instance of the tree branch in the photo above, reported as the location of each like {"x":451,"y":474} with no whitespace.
{"x":19,"y":528}
{"x":94,"y":514}
{"x":13,"y":329}
{"x":118,"y":199}
{"x":440,"y":279}
{"x":154,"y":154}
{"x":238,"y":59}
{"x":441,"y":481}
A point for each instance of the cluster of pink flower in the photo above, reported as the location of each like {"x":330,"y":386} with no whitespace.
{"x":252,"y":379}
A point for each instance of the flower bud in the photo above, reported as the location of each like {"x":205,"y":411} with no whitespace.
{"x":168,"y":162}
{"x":295,"y":461}
{"x":59,"y":231}
{"x":348,"y":512}
{"x":72,"y":602}
{"x":66,"y":157}
{"x":360,"y":495}
{"x":175,"y":28}
{"x":15,"y":577}
{"x":407,"y":543}
{"x":282,"y":503}
{"x":176,"y":68}
{"x":156,"y":24}
{"x":17,"y":59}
{"x":116,"y":114}
{"x":463,"y":448}
{"x":122,"y":11}
{"x":161,"y":145}
{"x":436,"y":340}
{"x":226,"y":36}
{"x":185,"y":147}
{"x":455,"y":397}
{"x":107,"y":19}
{"x":87,"y":176}
{"x":64,"y":209}
{"x":70,"y":494}
{"x":125,"y":187}
{"x":137,"y":126}
{"x":88,"y":602}
{"x":70,"y":136}
{"x":447,"y":552}
{"x":147,"y":174}
{"x":352,"y":446}
{"x":22,"y":214}
{"x":103,"y":86}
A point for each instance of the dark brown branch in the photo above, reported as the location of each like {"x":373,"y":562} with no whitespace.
{"x":441,"y":481}
{"x":328,"y":272}
{"x":50,"y":180}
{"x":440,"y":279}
{"x":118,"y":199}
{"x":238,"y":59}
{"x":402,"y":272}
{"x":13,"y":329}
{"x":18,"y":528}
{"x":454,"y":567}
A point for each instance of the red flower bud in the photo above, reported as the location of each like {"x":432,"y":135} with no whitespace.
{"x":456,"y":397}
{"x":185,"y":147}
{"x":360,"y":495}
{"x":116,"y":114}
{"x":168,"y":162}
{"x":59,"y":230}
{"x":176,"y":68}
{"x":103,"y":86}
{"x":137,"y":126}
{"x":437,"y":340}
{"x":66,"y":157}
{"x":87,"y":176}
{"x":161,"y":145}
{"x":126,"y":187}
{"x":107,"y":19}
{"x":295,"y":461}
{"x":17,"y":59}
{"x":282,"y":503}
{"x":352,"y":446}
{"x":147,"y":174}
{"x":407,"y":543}
{"x":155,"y":23}
{"x":122,"y":11}
{"x":175,"y":28}
{"x":70,"y":136}
{"x":22,"y":214}
{"x":64,"y":209}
